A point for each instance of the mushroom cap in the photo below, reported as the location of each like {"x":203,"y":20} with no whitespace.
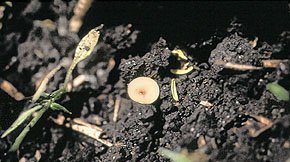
{"x":143,"y":90}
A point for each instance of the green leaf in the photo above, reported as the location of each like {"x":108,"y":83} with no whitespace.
{"x":56,"y":106}
{"x":174,"y":156}
{"x":278,"y":91}
{"x":22,"y":117}
{"x":27,"y":128}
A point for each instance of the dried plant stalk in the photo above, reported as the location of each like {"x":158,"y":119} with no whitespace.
{"x":80,"y":10}
{"x":235,"y":66}
{"x":273,"y":63}
{"x":11,"y":90}
{"x":43,"y":84}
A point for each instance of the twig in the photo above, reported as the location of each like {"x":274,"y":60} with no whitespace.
{"x":80,"y":11}
{"x":273,"y":63}
{"x":88,"y":129}
{"x":116,"y":108}
{"x":43,"y":85}
{"x":262,"y":120}
{"x":11,"y":90}
{"x":77,"y":81}
{"x":81,"y":122}
{"x":260,"y":131}
{"x":235,"y":66}
{"x":83,"y":127}
{"x":266,"y":124}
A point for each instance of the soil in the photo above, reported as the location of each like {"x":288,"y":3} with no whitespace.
{"x":137,"y":40}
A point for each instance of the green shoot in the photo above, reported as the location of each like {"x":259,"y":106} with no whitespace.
{"x":278,"y":91}
{"x":22,"y":117}
{"x":27,"y":128}
{"x":196,"y":156}
{"x":174,"y":156}
{"x":56,"y":106}
{"x":45,"y":101}
{"x":174,"y":90}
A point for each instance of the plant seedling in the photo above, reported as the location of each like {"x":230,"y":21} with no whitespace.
{"x":184,"y":156}
{"x":181,"y":71}
{"x":143,"y":90}
{"x":174,"y":90}
{"x":44,"y":101}
{"x":180,"y":54}
{"x":185,"y":63}
{"x":278,"y":91}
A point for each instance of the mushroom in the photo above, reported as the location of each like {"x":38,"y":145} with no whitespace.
{"x":143,"y":90}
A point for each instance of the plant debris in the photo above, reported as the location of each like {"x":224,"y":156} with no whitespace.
{"x":273,"y":63}
{"x":235,"y":66}
{"x":223,"y":114}
{"x":206,"y":103}
{"x":88,"y":129}
{"x":80,"y":11}
{"x":11,"y":90}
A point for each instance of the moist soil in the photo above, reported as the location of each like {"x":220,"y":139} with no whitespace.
{"x":137,"y":40}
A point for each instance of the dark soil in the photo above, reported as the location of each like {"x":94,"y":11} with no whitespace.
{"x":139,"y":37}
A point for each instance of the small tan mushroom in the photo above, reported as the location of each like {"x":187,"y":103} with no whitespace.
{"x":143,"y":90}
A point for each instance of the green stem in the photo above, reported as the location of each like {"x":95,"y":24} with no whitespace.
{"x":21,"y":136}
{"x":68,"y":74}
{"x":57,"y":94}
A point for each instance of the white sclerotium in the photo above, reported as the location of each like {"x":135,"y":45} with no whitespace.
{"x":143,"y":90}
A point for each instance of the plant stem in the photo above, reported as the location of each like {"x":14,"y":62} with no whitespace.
{"x":68,"y":74}
{"x":21,"y":136}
